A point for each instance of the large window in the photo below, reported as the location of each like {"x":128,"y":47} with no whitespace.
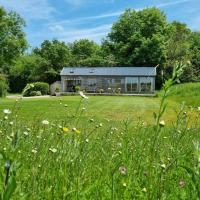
{"x":146,"y":84}
{"x":132,"y":84}
{"x":114,"y":83}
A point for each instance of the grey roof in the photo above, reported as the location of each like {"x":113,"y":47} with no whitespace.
{"x":108,"y":71}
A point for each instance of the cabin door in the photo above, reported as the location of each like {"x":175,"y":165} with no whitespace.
{"x":132,"y":84}
{"x":71,"y":85}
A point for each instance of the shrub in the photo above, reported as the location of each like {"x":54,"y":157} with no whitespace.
{"x":77,"y":88}
{"x":42,"y":87}
{"x":3,"y":86}
{"x":57,"y":89}
{"x":33,"y":88}
{"x":35,"y":93}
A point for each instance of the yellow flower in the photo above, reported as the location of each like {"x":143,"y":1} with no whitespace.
{"x":65,"y":129}
{"x":76,"y":131}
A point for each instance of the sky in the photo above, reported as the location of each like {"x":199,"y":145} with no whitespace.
{"x":69,"y":20}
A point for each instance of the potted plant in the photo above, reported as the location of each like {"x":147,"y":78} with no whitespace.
{"x":77,"y":88}
{"x":57,"y":91}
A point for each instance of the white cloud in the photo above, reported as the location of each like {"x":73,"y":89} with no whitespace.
{"x":90,"y":33}
{"x":111,"y":14}
{"x":171,"y":3}
{"x":30,"y":9}
{"x":70,"y":34}
{"x":56,"y":28}
{"x":84,"y":19}
{"x":81,"y":2}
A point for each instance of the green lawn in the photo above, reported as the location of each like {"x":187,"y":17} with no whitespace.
{"x":100,"y":107}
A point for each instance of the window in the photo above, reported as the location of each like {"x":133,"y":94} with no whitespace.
{"x":132,"y":84}
{"x":146,"y":84}
{"x":91,"y":82}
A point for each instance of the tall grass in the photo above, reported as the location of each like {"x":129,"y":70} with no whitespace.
{"x":185,"y":90}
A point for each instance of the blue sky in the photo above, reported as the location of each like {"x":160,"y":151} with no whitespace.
{"x":69,"y":20}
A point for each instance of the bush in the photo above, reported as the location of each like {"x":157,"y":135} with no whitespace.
{"x":42,"y":87}
{"x":3,"y":86}
{"x":35,"y":93}
{"x":33,"y":88}
{"x":77,"y":88}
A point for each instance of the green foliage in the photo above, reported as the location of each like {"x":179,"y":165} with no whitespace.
{"x":3,"y":86}
{"x":138,"y":38}
{"x":35,"y":93}
{"x":185,"y":90}
{"x":28,"y":68}
{"x":37,"y":88}
{"x":57,"y":55}
{"x":195,"y":56}
{"x":86,"y":53}
{"x":12,"y":38}
{"x":77,"y":88}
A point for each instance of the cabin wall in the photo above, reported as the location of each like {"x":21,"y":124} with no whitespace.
{"x":114,"y":84}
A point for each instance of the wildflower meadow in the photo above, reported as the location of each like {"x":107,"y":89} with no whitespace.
{"x":83,"y":157}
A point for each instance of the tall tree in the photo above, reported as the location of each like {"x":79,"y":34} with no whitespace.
{"x":178,"y":46}
{"x":195,"y":54}
{"x":26,"y":69}
{"x":86,"y":53}
{"x":57,"y":54}
{"x":138,"y":38}
{"x":12,"y":38}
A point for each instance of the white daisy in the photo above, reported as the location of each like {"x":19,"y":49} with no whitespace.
{"x":6,"y":111}
{"x":45,"y":122}
{"x":83,"y":95}
{"x":162,"y":123}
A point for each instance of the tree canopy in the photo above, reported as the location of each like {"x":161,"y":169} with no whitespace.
{"x":12,"y":38}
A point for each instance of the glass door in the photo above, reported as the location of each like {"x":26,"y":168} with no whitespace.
{"x":132,"y":84}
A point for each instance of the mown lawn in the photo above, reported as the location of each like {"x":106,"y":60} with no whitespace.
{"x":100,"y":107}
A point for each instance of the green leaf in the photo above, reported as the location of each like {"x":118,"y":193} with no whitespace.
{"x":10,"y":189}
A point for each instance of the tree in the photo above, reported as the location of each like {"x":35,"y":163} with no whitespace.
{"x":57,"y":55}
{"x":12,"y":38}
{"x":178,"y":45}
{"x":3,"y":85}
{"x":27,"y":69}
{"x":86,"y":53}
{"x":195,"y":54}
{"x":138,"y":38}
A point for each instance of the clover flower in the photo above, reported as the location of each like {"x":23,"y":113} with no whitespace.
{"x":198,"y":108}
